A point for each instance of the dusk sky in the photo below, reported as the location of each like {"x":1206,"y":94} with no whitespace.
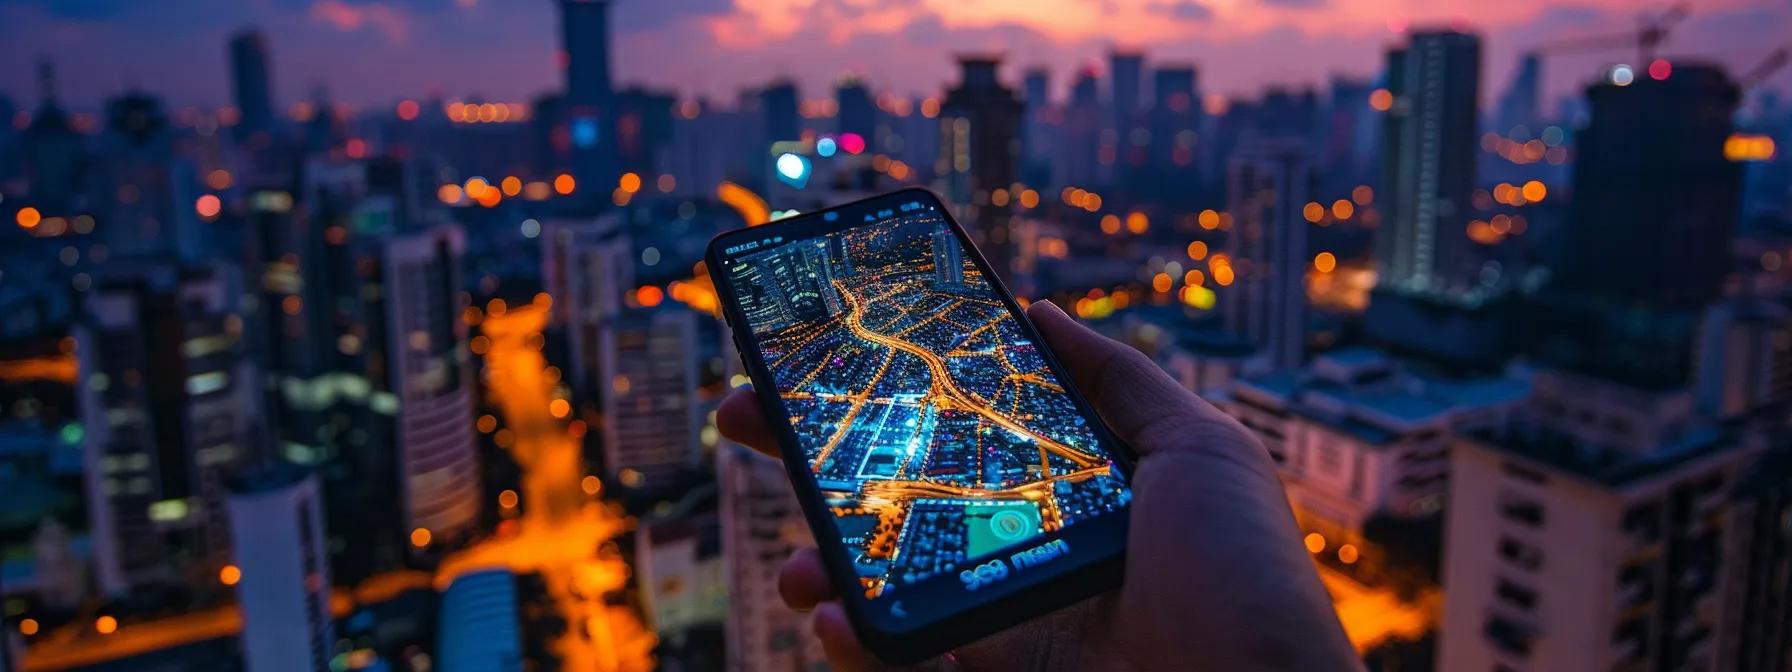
{"x":375,"y":52}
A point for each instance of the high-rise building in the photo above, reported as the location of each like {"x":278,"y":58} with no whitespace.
{"x":1268,"y":185}
{"x":778,"y":107}
{"x":1654,"y":196}
{"x":430,"y":377}
{"x":948,"y":261}
{"x":1521,"y":104}
{"x":788,"y":284}
{"x":1755,"y":631}
{"x":1744,"y":357}
{"x":651,"y":420}
{"x":251,"y":84}
{"x":587,"y":266}
{"x":1173,"y":134}
{"x":1349,"y":136}
{"x":1126,"y":79}
{"x":1588,"y":532}
{"x":855,"y":110}
{"x":1076,"y":159}
{"x":54,"y":152}
{"x":643,"y":129}
{"x":1043,"y":125}
{"x":360,"y":303}
{"x":144,"y":194}
{"x":280,"y":570}
{"x":167,"y":400}
{"x":761,"y":526}
{"x":590,"y":98}
{"x":980,"y":123}
{"x":1428,"y":160}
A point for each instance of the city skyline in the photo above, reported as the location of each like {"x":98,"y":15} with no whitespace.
{"x":424,"y":46}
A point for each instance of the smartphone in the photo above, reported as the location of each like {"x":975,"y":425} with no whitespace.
{"x":956,"y":483}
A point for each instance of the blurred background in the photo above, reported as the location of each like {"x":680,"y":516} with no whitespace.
{"x":374,"y":335}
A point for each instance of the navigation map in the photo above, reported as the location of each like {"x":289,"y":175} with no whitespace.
{"x":935,"y":429}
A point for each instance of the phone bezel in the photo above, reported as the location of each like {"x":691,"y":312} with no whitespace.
{"x":1095,"y":575}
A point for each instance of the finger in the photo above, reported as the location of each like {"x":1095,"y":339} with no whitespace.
{"x":803,"y":581}
{"x":1133,"y":395}
{"x":739,"y":418}
{"x":837,"y":639}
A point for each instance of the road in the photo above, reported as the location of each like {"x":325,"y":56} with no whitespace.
{"x":945,"y":394}
{"x":564,"y":533}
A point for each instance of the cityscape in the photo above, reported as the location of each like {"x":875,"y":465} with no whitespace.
{"x":315,"y":357}
{"x":935,"y":431}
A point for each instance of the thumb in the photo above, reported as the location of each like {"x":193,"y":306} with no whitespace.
{"x":1137,"y":399}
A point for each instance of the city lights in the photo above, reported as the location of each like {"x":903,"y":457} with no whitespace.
{"x":563,"y":184}
{"x":1749,"y":147}
{"x":28,"y":626}
{"x":208,"y":207}
{"x":792,"y":169}
{"x":1622,"y":75}
{"x":1325,"y":262}
{"x":1315,"y":542}
{"x":230,"y":575}
{"x":450,"y":194}
{"x":1381,"y":100}
{"x":1313,"y":212}
{"x":105,"y":625}
{"x":28,"y":218}
{"x":420,"y":537}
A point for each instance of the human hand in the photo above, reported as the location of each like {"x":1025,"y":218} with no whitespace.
{"x":1216,"y":576}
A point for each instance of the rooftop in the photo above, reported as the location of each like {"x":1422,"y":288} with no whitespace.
{"x":1376,"y":397}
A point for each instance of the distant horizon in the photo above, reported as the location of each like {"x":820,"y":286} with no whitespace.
{"x":715,"y":48}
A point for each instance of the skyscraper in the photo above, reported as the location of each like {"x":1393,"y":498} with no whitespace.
{"x":1172,"y":174}
{"x":166,"y":402}
{"x":1268,"y":183}
{"x":948,"y":261}
{"x":430,"y":378}
{"x":651,"y":419}
{"x":761,"y":525}
{"x":251,"y":85}
{"x":1654,"y":197}
{"x":1040,"y":133}
{"x":778,"y":107}
{"x":980,"y":124}
{"x":590,"y":99}
{"x":54,"y":153}
{"x":1429,"y":161}
{"x":587,"y":266}
{"x":1126,"y":75}
{"x":855,"y":111}
{"x":1520,"y":104}
{"x":281,"y":572}
{"x":143,"y":193}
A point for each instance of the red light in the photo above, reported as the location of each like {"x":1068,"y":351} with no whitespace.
{"x":1661,"y":68}
{"x":357,"y":148}
{"x":408,"y":110}
{"x":853,"y":143}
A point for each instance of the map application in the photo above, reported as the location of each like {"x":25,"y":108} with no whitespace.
{"x":936,"y":431}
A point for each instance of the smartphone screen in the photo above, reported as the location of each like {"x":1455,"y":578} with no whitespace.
{"x":951,"y":461}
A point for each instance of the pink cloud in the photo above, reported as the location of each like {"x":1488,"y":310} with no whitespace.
{"x":390,"y":21}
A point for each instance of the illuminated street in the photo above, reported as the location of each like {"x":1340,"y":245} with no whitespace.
{"x":1374,"y":616}
{"x":564,"y":533}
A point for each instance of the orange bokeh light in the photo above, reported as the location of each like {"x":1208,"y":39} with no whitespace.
{"x":563,"y":184}
{"x":208,"y":206}
{"x":230,"y":575}
{"x":28,"y":217}
{"x":420,"y":537}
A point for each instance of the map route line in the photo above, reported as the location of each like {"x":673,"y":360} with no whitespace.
{"x":944,"y":386}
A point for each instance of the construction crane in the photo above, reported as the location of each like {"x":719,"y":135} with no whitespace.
{"x":1647,"y":38}
{"x":1772,"y":64}
{"x":1518,"y":105}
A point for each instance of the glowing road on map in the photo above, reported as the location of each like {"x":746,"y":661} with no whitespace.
{"x":930,"y":420}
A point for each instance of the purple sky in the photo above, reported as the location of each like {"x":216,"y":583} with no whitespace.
{"x":375,"y":52}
